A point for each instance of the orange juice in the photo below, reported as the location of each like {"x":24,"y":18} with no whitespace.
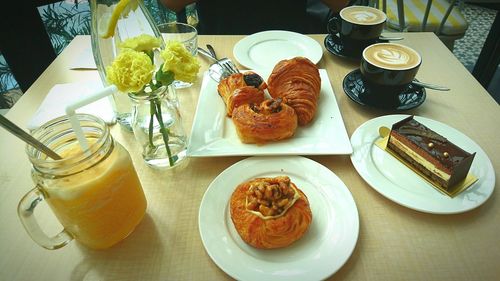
{"x":95,"y":194}
{"x":100,"y":205}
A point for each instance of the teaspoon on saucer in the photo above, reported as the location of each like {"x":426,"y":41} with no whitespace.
{"x":390,"y":38}
{"x":430,"y":86}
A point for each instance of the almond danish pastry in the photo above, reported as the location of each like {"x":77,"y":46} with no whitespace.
{"x":298,"y":81}
{"x":272,"y":120}
{"x":241,"y":88}
{"x":270,"y":213}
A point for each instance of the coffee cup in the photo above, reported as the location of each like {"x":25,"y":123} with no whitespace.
{"x":388,"y":68}
{"x":357,"y":27}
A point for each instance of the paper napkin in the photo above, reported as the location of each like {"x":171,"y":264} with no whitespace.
{"x":61,"y":95}
{"x":84,"y":60}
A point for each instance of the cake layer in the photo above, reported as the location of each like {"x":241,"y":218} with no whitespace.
{"x":425,"y":166}
{"x":441,"y":161}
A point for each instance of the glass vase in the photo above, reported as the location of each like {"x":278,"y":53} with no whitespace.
{"x":131,"y":23}
{"x":157,"y":126}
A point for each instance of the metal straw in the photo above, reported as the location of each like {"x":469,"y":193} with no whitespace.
{"x":18,"y":132}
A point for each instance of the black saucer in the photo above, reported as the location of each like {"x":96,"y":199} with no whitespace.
{"x":334,"y":45}
{"x":356,"y":89}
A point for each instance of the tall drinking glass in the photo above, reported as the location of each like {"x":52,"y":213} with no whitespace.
{"x":184,"y":33}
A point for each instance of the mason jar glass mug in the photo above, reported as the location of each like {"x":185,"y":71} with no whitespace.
{"x":95,"y":194}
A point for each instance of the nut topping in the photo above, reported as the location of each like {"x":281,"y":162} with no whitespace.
{"x":271,"y":196}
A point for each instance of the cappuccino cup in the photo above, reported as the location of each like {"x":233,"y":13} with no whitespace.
{"x":388,"y":68}
{"x":358,"y":27}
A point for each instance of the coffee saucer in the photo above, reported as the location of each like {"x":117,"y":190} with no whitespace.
{"x":334,"y":45}
{"x":356,"y":89}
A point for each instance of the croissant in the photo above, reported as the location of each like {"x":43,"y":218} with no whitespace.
{"x":270,"y":213}
{"x":241,"y":88}
{"x":298,"y":81}
{"x":272,"y":120}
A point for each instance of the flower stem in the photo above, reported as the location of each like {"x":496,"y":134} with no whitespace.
{"x":163,"y":130}
{"x":152,"y":111}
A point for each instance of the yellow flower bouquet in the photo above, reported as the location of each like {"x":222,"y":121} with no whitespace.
{"x":134,"y":71}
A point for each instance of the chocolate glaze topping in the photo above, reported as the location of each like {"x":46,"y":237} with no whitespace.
{"x":422,"y":136}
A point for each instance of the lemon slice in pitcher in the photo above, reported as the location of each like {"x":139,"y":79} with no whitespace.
{"x":108,"y":22}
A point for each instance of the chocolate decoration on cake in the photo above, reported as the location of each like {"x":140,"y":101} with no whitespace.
{"x":436,"y":157}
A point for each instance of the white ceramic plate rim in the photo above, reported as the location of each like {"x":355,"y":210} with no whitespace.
{"x":324,"y":248}
{"x":290,"y":44}
{"x":399,"y":184}
{"x":214,"y":134}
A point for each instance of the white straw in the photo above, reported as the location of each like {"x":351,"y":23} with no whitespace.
{"x":71,"y":109}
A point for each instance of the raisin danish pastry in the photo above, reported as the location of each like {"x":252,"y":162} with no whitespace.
{"x":241,"y":88}
{"x":270,"y":213}
{"x":272,"y":120}
{"x":298,"y":81}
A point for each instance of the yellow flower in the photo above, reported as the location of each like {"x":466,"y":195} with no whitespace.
{"x":130,"y":71}
{"x":143,"y":42}
{"x":181,"y":62}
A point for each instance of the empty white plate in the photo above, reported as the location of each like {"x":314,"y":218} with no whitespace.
{"x":263,"y":50}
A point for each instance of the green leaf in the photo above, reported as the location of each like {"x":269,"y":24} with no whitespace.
{"x":151,"y":55}
{"x":166,"y":78}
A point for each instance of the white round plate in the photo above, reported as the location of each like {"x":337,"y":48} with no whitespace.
{"x":323,"y":249}
{"x":394,"y":180}
{"x":263,"y":50}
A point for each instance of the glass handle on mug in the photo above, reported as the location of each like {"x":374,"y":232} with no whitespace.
{"x":25,"y":211}
{"x":333,"y":25}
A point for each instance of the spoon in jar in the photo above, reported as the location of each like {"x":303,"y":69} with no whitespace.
{"x":18,"y":132}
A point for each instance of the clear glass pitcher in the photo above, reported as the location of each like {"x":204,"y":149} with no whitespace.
{"x":132,"y":21}
{"x":95,"y":194}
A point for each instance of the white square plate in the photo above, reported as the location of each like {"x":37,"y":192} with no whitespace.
{"x":214,"y":134}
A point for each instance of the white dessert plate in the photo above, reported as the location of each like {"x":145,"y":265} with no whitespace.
{"x":214,"y":134}
{"x":323,"y":249}
{"x":398,"y":183}
{"x":264,"y":49}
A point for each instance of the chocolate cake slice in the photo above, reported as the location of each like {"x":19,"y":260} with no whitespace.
{"x":441,"y":161}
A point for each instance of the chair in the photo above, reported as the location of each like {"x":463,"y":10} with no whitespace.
{"x":489,"y":58}
{"x":442,"y":17}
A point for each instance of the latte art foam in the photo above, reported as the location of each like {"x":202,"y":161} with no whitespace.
{"x":363,"y":15}
{"x":391,"y":56}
